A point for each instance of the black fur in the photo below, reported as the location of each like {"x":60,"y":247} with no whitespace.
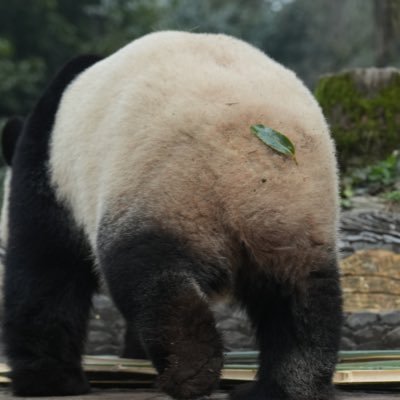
{"x":298,"y":332}
{"x":10,"y":134}
{"x":48,"y":278}
{"x":133,"y":347}
{"x":152,"y":277}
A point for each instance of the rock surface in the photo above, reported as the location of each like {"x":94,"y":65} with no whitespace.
{"x":369,"y":228}
{"x":361,"y":330}
{"x":371,"y":281}
{"x":365,"y":331}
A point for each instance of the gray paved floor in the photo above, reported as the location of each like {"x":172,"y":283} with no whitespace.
{"x":152,"y":395}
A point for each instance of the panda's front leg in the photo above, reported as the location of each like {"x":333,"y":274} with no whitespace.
{"x":159,"y":289}
{"x":298,"y":331}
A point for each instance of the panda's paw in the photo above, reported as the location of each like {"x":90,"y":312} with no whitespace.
{"x":190,"y":377}
{"x":49,"y":382}
{"x":186,"y":349}
{"x":256,"y":391}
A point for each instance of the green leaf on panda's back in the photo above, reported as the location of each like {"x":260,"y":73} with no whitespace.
{"x":274,"y":139}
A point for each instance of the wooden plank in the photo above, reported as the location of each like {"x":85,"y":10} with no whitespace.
{"x":97,"y":394}
{"x":367,"y":377}
{"x":251,"y":357}
{"x":359,"y":368}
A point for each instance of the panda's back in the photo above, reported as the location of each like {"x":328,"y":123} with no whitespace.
{"x":160,"y":132}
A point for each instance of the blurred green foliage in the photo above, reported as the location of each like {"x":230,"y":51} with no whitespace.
{"x":364,"y":115}
{"x":37,"y":37}
{"x":393,"y":197}
{"x":381,"y":178}
{"x":311,"y":37}
{"x":381,"y":175}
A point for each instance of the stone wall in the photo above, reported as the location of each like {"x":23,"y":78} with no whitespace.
{"x":361,"y":330}
{"x":367,"y":330}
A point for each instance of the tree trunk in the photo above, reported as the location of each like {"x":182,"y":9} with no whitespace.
{"x":386,"y":13}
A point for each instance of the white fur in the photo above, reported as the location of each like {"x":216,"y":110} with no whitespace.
{"x":160,"y":131}
{"x":5,"y":209}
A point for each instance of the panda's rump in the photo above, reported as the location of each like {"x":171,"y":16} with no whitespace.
{"x":170,"y":142}
{"x":232,"y":192}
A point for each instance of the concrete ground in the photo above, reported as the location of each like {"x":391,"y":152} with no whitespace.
{"x":153,"y":395}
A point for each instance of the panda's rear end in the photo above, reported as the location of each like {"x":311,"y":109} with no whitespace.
{"x":151,"y":175}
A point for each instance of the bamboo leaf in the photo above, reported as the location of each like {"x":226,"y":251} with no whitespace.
{"x":275,"y":140}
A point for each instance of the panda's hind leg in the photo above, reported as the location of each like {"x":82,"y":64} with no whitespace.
{"x":133,"y":347}
{"x":162,"y":292}
{"x":298,"y":330}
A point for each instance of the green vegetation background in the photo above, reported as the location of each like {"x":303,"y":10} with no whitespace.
{"x":311,"y":37}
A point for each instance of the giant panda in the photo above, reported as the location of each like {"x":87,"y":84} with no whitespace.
{"x":140,"y":169}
